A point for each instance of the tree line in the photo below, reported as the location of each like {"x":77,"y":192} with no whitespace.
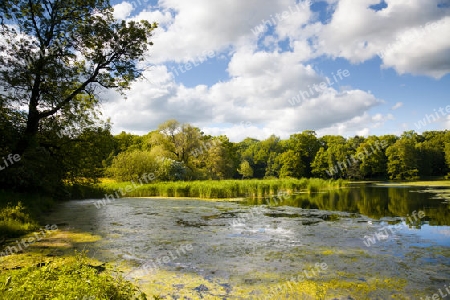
{"x":176,"y":151}
{"x":183,"y":152}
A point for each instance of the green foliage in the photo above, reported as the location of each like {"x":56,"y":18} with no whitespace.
{"x":45,"y":169}
{"x":66,"y":278}
{"x":170,"y":170}
{"x":245,"y":170}
{"x":132,"y":165}
{"x":219,"y":159}
{"x":57,"y":57}
{"x":305,"y":145}
{"x":373,"y":165}
{"x":20,"y":213}
{"x":331,"y":159}
{"x":178,"y":141}
{"x":15,"y":221}
{"x":403,"y":158}
{"x":431,"y":148}
{"x":290,"y":164}
{"x":302,"y":155}
{"x":447,"y":151}
{"x":319,"y":166}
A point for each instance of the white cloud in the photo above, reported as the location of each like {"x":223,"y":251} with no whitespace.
{"x":122,"y":10}
{"x":421,"y":50}
{"x":447,"y":123}
{"x":257,"y":92}
{"x":397,"y":105}
{"x":201,"y":25}
{"x":358,"y":33}
{"x":261,"y":83}
{"x":359,"y":125}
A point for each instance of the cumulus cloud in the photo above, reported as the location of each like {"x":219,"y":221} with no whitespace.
{"x":262,"y":77}
{"x":397,"y":105}
{"x":421,"y":50}
{"x":122,"y":10}
{"x":407,"y":35}
{"x":200,"y":25}
{"x":257,"y":92}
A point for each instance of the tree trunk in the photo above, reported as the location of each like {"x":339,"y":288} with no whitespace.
{"x":28,"y":138}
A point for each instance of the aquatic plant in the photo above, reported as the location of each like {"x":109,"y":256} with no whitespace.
{"x":214,"y":189}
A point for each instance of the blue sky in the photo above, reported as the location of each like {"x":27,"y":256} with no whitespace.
{"x":237,"y":67}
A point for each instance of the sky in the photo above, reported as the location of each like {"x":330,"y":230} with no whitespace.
{"x":253,"y":68}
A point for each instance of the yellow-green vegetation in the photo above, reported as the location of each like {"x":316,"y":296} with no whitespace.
{"x":19,"y":213}
{"x":167,"y":284}
{"x":48,"y":268}
{"x":73,"y":277}
{"x":15,"y":221}
{"x":213,"y":189}
{"x":424,"y":183}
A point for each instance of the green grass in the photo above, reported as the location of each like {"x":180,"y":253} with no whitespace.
{"x":15,"y":221}
{"x":424,"y":183}
{"x":220,"y":189}
{"x":71,"y":277}
{"x":21,"y":213}
{"x":66,"y":278}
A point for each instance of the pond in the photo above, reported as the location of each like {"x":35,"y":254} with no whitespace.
{"x":362,"y":242}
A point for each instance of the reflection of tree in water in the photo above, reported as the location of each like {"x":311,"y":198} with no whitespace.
{"x":374,"y":202}
{"x":404,"y":201}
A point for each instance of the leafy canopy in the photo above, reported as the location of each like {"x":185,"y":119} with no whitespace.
{"x":56,"y":56}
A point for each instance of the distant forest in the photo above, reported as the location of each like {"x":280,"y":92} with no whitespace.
{"x":182,"y":152}
{"x":178,"y":151}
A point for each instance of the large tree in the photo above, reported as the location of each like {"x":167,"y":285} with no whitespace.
{"x":56,"y":56}
{"x":180,"y":142}
{"x":403,"y":157}
{"x":305,"y":145}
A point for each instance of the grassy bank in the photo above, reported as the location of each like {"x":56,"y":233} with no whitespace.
{"x":420,"y":183}
{"x":49,"y":268}
{"x":70,"y":277}
{"x":216,"y":189}
{"x":21,"y":213}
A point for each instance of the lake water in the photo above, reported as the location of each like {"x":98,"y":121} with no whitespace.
{"x":363,"y":242}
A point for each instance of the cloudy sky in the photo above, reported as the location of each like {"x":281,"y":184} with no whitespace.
{"x":261,"y":67}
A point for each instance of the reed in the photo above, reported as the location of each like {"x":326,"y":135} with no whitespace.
{"x":221,"y":189}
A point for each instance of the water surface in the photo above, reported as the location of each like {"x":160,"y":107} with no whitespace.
{"x":196,"y":249}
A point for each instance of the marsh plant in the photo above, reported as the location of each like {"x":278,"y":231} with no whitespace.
{"x":214,"y":189}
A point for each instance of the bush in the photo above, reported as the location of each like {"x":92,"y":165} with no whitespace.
{"x":128,"y":166}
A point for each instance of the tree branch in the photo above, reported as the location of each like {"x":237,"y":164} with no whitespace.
{"x":38,"y":33}
{"x":77,"y":91}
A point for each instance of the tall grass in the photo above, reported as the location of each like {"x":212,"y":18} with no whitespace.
{"x":15,"y":221}
{"x":21,"y":213}
{"x":214,"y":189}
